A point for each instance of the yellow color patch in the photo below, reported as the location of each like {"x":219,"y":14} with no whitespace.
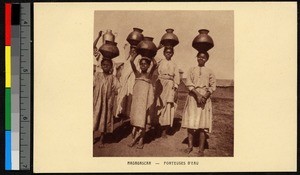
{"x":7,"y":66}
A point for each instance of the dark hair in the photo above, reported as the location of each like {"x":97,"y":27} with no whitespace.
{"x":148,"y":61}
{"x":132,"y":46}
{"x":204,"y":52}
{"x":168,"y":48}
{"x":108,"y":60}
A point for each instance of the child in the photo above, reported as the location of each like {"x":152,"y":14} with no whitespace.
{"x":98,"y":56}
{"x":142,"y":99}
{"x":104,"y":91}
{"x":166,"y":87}
{"x":197,"y":114}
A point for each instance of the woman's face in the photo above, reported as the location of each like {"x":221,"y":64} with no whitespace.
{"x":201,"y":58}
{"x":168,"y":53}
{"x":106,"y":66}
{"x":144,"y":65}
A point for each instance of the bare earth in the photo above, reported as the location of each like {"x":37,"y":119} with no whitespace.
{"x":219,"y":143}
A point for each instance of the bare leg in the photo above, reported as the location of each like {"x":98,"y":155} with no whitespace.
{"x":201,"y":143}
{"x":167,"y":114}
{"x":135,"y":138}
{"x":95,"y":137}
{"x":101,"y":145}
{"x":141,"y":140}
{"x":164,"y":131}
{"x":133,"y":133}
{"x":190,"y":141}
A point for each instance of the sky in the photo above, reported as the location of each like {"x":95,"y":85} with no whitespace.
{"x":186,"y":25}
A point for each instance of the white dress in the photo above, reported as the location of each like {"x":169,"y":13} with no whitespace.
{"x":194,"y":116}
{"x":142,"y":101}
{"x":168,"y":79}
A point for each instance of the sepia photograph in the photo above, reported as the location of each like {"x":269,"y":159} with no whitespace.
{"x":163,"y":84}
{"x":172,"y":87}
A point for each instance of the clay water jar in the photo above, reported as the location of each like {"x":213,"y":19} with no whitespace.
{"x":108,"y":36}
{"x":203,"y":42}
{"x":169,"y":38}
{"x":147,"y":48}
{"x":135,"y":37}
{"x":109,"y":49}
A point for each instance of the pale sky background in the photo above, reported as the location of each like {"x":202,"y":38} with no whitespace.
{"x":186,"y":25}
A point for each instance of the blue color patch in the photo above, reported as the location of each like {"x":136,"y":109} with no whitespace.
{"x":7,"y":150}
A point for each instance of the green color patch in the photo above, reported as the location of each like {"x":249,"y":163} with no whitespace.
{"x":7,"y":109}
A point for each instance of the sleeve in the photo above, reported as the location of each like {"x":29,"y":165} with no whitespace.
{"x":212,"y":82}
{"x":94,"y":79}
{"x":158,"y":67}
{"x":95,"y":62}
{"x":114,"y":69}
{"x":176,"y":77}
{"x":100,"y":57}
{"x":189,"y":80}
{"x":116,"y":85}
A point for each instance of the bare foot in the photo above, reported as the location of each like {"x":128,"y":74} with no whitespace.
{"x":101,"y":145}
{"x":140,"y":146}
{"x":164,"y":134}
{"x":188,"y":150}
{"x":200,"y":153}
{"x":130,"y":144}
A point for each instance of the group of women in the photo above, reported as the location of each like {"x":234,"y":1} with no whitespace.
{"x":146,"y":92}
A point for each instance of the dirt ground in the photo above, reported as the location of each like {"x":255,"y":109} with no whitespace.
{"x":219,"y":142}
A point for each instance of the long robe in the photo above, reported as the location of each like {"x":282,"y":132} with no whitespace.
{"x":168,"y":80}
{"x":195,"y":116}
{"x":104,"y":91}
{"x":142,"y":101}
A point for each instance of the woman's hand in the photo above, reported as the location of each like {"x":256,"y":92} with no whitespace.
{"x":96,"y":52}
{"x":175,"y":96}
{"x":99,"y":34}
{"x":133,"y":54}
{"x":207,"y":95}
{"x":202,"y":100}
{"x":154,"y":62}
{"x":199,"y":99}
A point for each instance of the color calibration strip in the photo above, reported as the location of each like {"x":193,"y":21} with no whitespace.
{"x":8,"y":161}
{"x":17,"y":86}
{"x":25,"y":86}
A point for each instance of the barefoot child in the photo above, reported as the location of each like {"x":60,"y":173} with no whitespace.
{"x":142,"y":99}
{"x":166,"y":87}
{"x":98,"y":56}
{"x":197,"y":114}
{"x":104,"y":90}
